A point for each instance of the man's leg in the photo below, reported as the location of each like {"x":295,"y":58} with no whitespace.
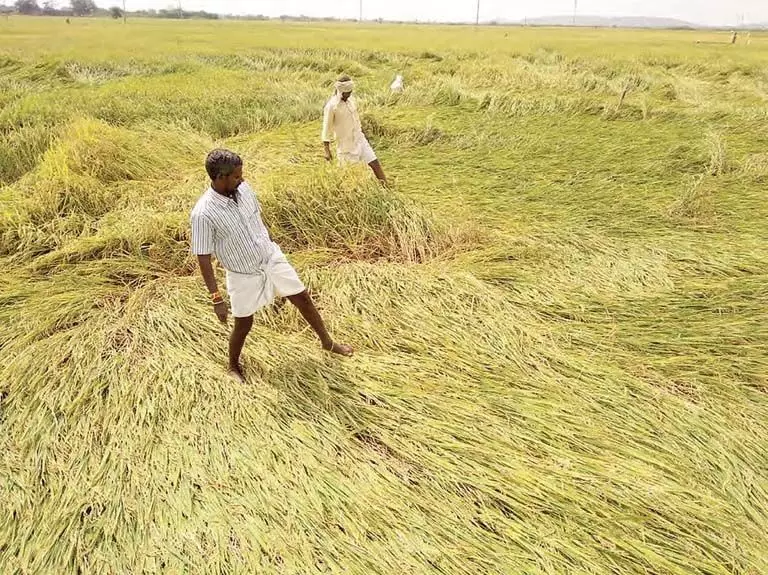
{"x":379,"y":171}
{"x":236,"y":341}
{"x":306,"y":306}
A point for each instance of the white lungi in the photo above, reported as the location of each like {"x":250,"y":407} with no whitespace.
{"x":364,"y":154}
{"x":250,"y":292}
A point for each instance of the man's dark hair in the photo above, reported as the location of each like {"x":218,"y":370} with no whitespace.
{"x":221,"y":162}
{"x":344,"y":78}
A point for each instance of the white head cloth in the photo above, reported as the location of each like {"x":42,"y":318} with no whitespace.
{"x":344,"y":87}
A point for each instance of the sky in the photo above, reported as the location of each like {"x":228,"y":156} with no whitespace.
{"x":708,"y":12}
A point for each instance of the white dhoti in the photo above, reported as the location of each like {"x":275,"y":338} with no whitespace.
{"x":363,"y":154}
{"x":248,"y":293}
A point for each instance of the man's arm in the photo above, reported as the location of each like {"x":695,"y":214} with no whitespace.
{"x":219,"y":305}
{"x":202,"y":247}
{"x":356,"y":115}
{"x":327,"y":127}
{"x":206,"y":269}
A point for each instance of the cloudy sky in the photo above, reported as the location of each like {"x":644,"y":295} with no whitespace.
{"x":721,"y":12}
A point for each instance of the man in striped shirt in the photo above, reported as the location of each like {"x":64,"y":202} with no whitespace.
{"x":226,"y":223}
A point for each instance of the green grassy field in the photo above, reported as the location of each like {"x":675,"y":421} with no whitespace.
{"x":560,"y":310}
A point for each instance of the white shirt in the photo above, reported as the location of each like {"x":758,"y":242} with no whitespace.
{"x":342,"y":119}
{"x":232,"y":230}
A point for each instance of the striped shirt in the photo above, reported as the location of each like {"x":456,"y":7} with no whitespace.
{"x":233,"y":231}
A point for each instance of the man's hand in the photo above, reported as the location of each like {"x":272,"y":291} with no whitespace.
{"x":219,"y":305}
{"x":328,"y":155}
{"x":222,"y":311}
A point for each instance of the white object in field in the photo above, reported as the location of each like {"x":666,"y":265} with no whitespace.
{"x":397,"y":85}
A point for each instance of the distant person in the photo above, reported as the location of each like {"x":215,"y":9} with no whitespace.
{"x":226,"y":223}
{"x":340,"y":117}
{"x":734,"y":35}
{"x":397,"y":85}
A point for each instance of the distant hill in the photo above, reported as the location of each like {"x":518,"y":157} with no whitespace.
{"x":607,"y":22}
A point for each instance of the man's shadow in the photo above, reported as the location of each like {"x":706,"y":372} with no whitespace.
{"x":313,"y":389}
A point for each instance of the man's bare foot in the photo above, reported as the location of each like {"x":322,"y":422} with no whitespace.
{"x":236,"y":371}
{"x":339,"y":348}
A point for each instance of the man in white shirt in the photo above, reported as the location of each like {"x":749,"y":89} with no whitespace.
{"x":226,"y":223}
{"x":340,"y":117}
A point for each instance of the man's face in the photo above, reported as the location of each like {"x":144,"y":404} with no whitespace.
{"x":233,"y":180}
{"x":345,"y":96}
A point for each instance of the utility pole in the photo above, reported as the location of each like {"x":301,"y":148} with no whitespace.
{"x":575,"y":8}
{"x":125,"y":14}
{"x":477,"y":17}
{"x":361,"y":10}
